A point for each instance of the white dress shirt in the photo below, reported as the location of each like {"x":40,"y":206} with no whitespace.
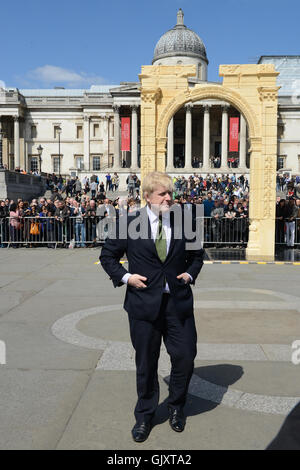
{"x":154,"y":221}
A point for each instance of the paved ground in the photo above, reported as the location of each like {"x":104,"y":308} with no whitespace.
{"x":69,"y":380}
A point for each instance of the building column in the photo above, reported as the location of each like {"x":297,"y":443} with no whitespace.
{"x":134,"y":139}
{"x":224,"y":152}
{"x":206,"y":139}
{"x":1,"y":147}
{"x":116,"y":165}
{"x":188,"y":138}
{"x":243,"y":143}
{"x":86,"y":143}
{"x":170,"y":150}
{"x":105,"y":128}
{"x":16,"y":142}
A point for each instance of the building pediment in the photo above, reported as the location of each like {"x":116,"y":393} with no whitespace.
{"x":128,"y":89}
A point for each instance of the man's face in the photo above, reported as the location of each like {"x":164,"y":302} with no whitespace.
{"x":160,"y":200}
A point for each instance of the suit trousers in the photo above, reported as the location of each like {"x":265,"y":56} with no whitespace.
{"x":180,"y":338}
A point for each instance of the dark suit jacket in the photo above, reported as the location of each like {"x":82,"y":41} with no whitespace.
{"x":144,"y":304}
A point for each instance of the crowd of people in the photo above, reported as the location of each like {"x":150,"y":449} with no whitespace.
{"x":70,"y":216}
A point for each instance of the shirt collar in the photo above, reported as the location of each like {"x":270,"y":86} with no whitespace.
{"x":154,"y":217}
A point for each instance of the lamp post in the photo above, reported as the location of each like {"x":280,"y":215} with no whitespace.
{"x":1,"y":159}
{"x":40,"y":150}
{"x":58,"y":130}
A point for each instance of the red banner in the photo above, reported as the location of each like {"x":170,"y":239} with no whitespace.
{"x":234,"y":135}
{"x":125,"y":129}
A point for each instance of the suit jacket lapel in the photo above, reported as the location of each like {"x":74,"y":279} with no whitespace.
{"x":172,"y":241}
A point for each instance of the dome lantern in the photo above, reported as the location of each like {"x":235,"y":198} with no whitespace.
{"x":180,"y":45}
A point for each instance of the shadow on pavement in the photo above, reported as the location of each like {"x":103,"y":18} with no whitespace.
{"x":223,"y":375}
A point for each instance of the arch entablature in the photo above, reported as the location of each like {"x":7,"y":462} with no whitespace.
{"x":208,"y":92}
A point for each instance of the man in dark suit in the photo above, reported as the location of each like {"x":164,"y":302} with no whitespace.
{"x":159,"y":300}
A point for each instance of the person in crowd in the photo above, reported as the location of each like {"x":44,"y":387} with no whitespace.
{"x":291,"y":212}
{"x":91,"y":222}
{"x":94,"y":189}
{"x":159,"y":303}
{"x":216,"y":222}
{"x":229,"y":223}
{"x":80,"y":226}
{"x":14,"y":225}
{"x":280,"y":221}
{"x":61,"y":215}
{"x":4,"y":225}
{"x":108,"y":182}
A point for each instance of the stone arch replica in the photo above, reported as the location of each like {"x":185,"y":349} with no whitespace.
{"x":252,"y":90}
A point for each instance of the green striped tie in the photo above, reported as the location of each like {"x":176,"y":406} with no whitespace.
{"x":161,"y":242}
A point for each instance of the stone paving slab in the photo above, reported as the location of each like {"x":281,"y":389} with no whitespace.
{"x":32,"y":346}
{"x":209,"y":426}
{"x":35,"y":406}
{"x":69,"y":381}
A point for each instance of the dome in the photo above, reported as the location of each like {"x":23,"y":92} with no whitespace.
{"x":180,"y":41}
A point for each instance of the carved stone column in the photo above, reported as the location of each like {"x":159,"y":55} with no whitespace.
{"x":170,"y":152}
{"x":263,"y":180}
{"x":134,"y":139}
{"x":152,"y":152}
{"x":105,"y":128}
{"x":224,"y":155}
{"x":188,"y":138}
{"x":243,"y":144}
{"x":206,"y":139}
{"x":86,"y":143}
{"x":17,"y":141}
{"x":116,"y":165}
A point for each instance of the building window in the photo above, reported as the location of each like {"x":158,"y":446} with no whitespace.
{"x":79,"y":162}
{"x":56,"y":165}
{"x":33,"y":132}
{"x":280,"y":129}
{"x":79,"y":132}
{"x":200,"y":71}
{"x":96,"y":130}
{"x":281,"y":159}
{"x":57,"y":129}
{"x":34,"y":164}
{"x":96,"y":163}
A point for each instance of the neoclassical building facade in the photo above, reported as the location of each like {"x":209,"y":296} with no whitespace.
{"x":79,"y":130}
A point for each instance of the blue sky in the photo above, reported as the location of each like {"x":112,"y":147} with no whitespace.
{"x":76,"y":43}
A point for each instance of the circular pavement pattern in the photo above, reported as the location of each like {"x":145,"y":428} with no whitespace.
{"x":120,"y":355}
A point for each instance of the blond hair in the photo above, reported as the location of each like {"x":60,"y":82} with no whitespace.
{"x":154,"y":179}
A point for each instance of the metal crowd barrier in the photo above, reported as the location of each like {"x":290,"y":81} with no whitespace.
{"x":287,"y":233}
{"x":49,"y":231}
{"x":221,"y":232}
{"x":82,"y":232}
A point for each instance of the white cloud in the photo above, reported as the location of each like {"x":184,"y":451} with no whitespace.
{"x":51,"y":74}
{"x":2,"y":84}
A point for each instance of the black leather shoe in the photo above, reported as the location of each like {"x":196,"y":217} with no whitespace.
{"x":176,"y":420}
{"x":141,"y":431}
